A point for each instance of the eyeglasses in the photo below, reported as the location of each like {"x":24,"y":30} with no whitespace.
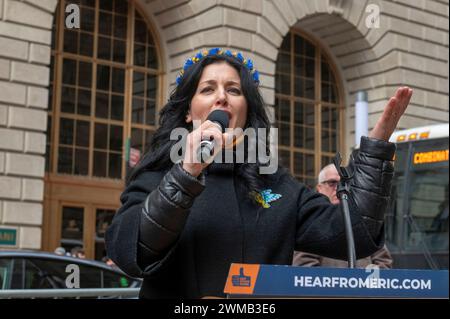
{"x":332,"y":183}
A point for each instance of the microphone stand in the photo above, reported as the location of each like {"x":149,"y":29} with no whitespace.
{"x":343,"y":192}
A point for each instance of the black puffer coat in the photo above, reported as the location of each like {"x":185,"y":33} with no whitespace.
{"x":181,"y":233}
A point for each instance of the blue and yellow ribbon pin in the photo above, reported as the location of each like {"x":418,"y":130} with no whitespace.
{"x":265,"y":197}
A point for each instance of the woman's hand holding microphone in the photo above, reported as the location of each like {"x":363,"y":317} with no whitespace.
{"x":212,"y":129}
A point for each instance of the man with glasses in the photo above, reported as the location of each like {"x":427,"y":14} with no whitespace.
{"x":327,"y":185}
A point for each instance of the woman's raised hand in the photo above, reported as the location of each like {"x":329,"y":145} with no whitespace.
{"x":392,"y":113}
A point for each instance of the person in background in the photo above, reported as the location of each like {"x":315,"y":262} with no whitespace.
{"x":78,"y":252}
{"x":327,"y":184}
{"x":61,"y":251}
{"x":109,"y":262}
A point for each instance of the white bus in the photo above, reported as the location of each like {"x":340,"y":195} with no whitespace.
{"x":417,"y":223}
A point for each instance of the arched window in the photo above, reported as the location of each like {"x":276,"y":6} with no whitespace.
{"x":308,"y":107}
{"x":105,"y":87}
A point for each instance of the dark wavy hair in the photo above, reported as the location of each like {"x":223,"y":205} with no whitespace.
{"x":174,"y":113}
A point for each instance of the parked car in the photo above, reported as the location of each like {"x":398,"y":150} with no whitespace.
{"x":40,"y":270}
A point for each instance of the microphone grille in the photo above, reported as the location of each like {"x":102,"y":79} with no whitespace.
{"x":220,"y":117}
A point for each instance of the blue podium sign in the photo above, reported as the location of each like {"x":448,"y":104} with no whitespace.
{"x":290,"y":281}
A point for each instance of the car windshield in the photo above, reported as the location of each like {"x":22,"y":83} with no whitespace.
{"x":42,"y":274}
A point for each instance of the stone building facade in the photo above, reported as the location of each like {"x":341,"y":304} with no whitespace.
{"x":410,"y":47}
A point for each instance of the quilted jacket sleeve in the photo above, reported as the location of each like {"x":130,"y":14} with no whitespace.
{"x":155,"y":207}
{"x":320,"y":229}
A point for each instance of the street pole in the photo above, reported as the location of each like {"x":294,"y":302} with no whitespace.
{"x":361,"y":116}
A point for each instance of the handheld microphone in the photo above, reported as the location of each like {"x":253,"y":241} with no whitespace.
{"x":206,"y":149}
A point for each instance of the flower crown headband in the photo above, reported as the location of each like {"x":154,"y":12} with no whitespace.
{"x":218,"y":51}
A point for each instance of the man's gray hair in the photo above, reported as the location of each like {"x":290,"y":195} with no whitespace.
{"x":322,"y":172}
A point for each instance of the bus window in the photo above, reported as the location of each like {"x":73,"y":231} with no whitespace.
{"x":429,"y":210}
{"x":428,"y":196}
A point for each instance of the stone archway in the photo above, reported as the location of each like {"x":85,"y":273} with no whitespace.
{"x":340,"y":28}
{"x":410,"y":47}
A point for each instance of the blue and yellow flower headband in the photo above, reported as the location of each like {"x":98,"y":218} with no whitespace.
{"x":218,"y":51}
